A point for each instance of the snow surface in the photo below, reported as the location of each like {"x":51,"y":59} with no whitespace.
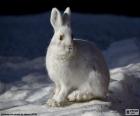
{"x":25,"y":86}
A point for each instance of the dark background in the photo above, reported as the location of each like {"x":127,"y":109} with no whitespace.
{"x":116,"y":7}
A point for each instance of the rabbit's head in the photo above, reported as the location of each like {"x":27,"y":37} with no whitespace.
{"x":62,"y":40}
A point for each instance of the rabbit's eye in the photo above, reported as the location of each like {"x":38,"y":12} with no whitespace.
{"x":61,"y":37}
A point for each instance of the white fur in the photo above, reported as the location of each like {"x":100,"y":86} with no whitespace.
{"x":76,"y":66}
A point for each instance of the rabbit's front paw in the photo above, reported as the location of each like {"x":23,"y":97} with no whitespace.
{"x":54,"y":103}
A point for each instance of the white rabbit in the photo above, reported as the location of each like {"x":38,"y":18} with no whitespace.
{"x":76,"y":66}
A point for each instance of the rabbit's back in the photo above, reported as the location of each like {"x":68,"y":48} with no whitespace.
{"x":91,"y":56}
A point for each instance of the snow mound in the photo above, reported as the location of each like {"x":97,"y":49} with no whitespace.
{"x":28,"y":86}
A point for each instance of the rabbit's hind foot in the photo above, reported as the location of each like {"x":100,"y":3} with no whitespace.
{"x":80,"y":96}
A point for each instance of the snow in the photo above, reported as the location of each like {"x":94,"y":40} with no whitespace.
{"x":129,"y":53}
{"x":24,"y":83}
{"x":29,"y":93}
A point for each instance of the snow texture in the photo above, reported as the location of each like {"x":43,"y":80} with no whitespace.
{"x":25,"y":86}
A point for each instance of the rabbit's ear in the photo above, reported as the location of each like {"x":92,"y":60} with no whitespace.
{"x":56,"y":19}
{"x":67,"y":17}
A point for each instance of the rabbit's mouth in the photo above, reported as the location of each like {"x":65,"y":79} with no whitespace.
{"x":63,"y":52}
{"x":68,"y":53}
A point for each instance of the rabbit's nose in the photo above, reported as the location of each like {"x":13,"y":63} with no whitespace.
{"x":70,"y":48}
